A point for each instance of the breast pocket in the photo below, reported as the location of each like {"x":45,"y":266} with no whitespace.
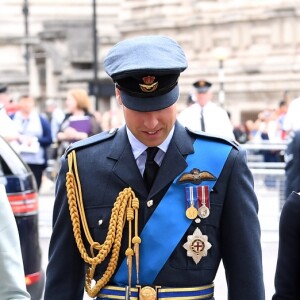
{"x":209,"y":227}
{"x":98,"y":219}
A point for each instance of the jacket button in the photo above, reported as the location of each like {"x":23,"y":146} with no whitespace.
{"x":149,"y":203}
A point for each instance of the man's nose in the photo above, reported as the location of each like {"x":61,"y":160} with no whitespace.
{"x":150,"y":120}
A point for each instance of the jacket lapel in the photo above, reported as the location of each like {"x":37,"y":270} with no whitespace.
{"x":126,"y":168}
{"x":174,"y":161}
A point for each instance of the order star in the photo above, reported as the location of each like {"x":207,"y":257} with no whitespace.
{"x":197,"y":245}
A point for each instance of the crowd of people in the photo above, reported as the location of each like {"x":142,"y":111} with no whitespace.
{"x":167,"y":180}
{"x":33,"y":132}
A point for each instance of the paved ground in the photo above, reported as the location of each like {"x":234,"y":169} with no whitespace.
{"x":268,"y":214}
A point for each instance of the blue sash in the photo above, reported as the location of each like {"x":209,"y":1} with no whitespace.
{"x":168,"y":223}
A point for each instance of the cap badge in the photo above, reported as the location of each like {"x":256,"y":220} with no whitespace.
{"x":197,"y":245}
{"x":149,"y":85}
{"x":201,"y":83}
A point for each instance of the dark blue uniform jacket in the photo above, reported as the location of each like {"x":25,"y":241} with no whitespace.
{"x":287,"y":276}
{"x":106,"y":166}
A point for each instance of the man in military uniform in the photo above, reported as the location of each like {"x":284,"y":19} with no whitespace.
{"x":206,"y":115}
{"x":148,"y":211}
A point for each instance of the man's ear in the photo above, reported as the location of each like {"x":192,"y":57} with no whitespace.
{"x":118,"y":96}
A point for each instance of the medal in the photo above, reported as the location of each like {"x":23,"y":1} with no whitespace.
{"x":203,"y":201}
{"x":191,"y":198}
{"x":197,"y":245}
{"x":203,"y":212}
{"x":191,"y":213}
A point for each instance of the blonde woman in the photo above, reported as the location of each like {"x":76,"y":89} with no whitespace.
{"x":79,"y":122}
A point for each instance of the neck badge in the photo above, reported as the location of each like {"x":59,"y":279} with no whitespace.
{"x":197,"y":245}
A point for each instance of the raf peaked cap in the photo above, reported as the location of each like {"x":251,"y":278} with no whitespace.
{"x":3,"y":88}
{"x":146,"y":71}
{"x":202,"y":86}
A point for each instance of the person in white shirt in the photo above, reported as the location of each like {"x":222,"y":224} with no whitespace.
{"x":8,"y":129}
{"x":292,"y":120}
{"x":4,"y":97}
{"x":12,"y":278}
{"x":205,"y":115}
{"x":34,"y":136}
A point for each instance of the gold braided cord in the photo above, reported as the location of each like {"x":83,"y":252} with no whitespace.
{"x":136,"y":239}
{"x":125,"y":207}
{"x":129,"y":252}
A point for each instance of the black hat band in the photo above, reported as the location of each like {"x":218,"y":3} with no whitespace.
{"x":159,"y":92}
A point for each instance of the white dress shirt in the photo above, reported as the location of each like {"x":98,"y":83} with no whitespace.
{"x":216,"y":119}
{"x":7,"y":126}
{"x":292,"y":120}
{"x":139,"y":150}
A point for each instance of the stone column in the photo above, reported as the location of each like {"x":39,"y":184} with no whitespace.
{"x":51,"y":79}
{"x":34,"y":86}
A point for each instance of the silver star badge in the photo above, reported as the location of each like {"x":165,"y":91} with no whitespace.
{"x":197,"y":245}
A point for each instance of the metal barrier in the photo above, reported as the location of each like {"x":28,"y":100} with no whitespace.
{"x":269,"y":184}
{"x":268,"y":176}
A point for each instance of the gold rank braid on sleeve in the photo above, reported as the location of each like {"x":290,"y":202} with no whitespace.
{"x":125,"y":208}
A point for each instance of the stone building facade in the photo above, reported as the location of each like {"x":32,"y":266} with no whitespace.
{"x":261,"y":65}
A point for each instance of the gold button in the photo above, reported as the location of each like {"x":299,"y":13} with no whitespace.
{"x":147,"y":293}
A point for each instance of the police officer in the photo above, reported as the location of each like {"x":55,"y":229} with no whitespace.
{"x":204,"y":114}
{"x":148,"y":211}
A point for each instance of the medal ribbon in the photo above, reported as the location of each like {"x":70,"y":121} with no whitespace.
{"x":191,"y":195}
{"x":203,"y":196}
{"x":168,"y":223}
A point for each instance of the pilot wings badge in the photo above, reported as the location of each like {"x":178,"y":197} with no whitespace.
{"x":196,"y":177}
{"x":197,"y":245}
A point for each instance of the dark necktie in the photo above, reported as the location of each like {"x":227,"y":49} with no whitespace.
{"x":202,"y":120}
{"x":151,"y":167}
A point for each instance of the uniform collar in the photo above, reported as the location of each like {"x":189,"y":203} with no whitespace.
{"x":138,"y":147}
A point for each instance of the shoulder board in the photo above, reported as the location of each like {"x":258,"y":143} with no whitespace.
{"x":202,"y":134}
{"x":94,"y":139}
